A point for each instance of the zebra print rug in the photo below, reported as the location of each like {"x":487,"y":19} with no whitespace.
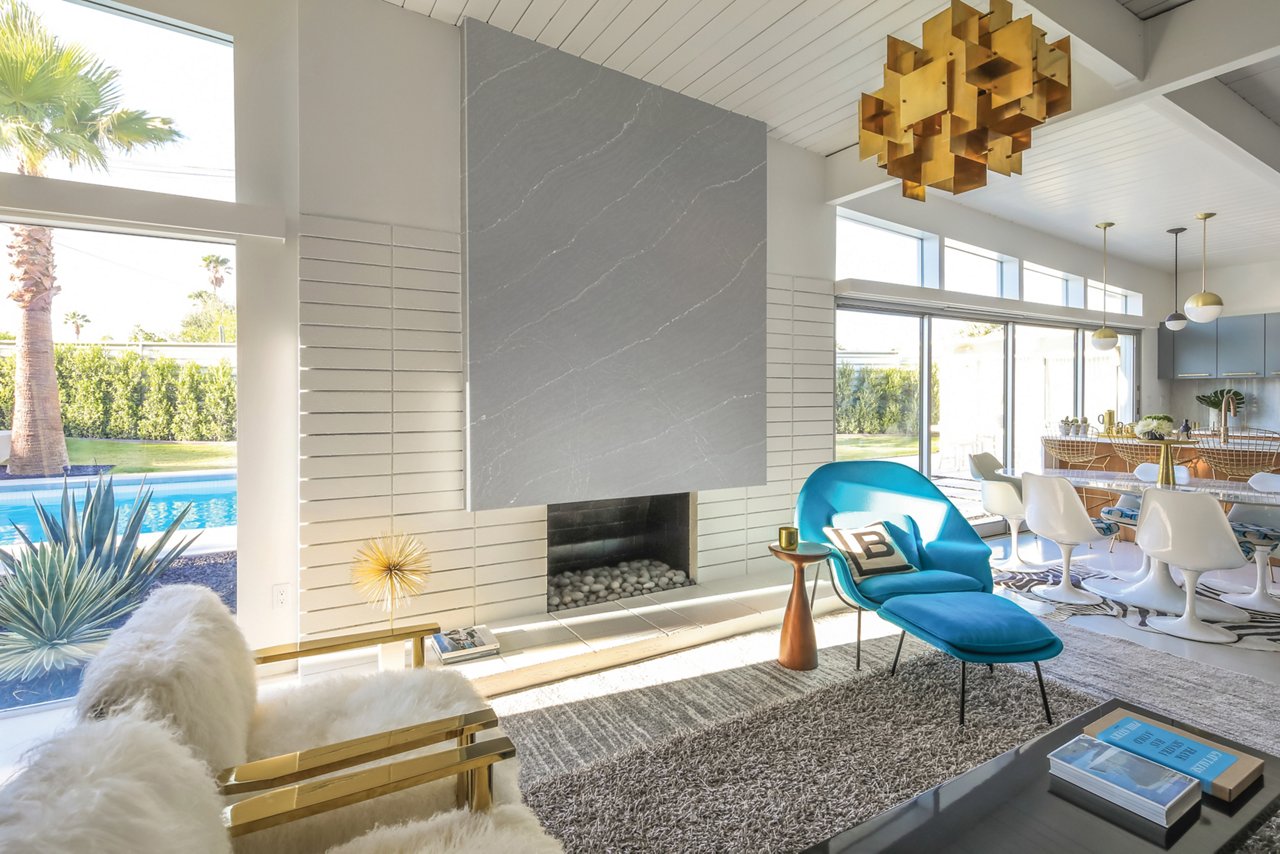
{"x":1262,"y":631}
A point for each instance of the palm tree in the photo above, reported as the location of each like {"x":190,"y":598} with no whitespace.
{"x":57,"y":102}
{"x":77,"y":320}
{"x":216,"y":265}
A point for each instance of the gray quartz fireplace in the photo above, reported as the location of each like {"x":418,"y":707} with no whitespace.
{"x":611,"y":549}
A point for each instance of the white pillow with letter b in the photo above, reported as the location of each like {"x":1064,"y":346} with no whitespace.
{"x":869,"y":551}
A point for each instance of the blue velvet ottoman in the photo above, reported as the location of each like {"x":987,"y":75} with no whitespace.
{"x":973,"y":626}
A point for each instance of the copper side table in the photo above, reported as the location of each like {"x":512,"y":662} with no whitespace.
{"x":799,"y":647}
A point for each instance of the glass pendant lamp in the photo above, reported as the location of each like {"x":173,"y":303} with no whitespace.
{"x":1206,"y":306}
{"x":1176,"y":321}
{"x":1104,"y":338}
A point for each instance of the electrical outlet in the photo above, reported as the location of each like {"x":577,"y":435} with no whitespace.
{"x":280,"y":596}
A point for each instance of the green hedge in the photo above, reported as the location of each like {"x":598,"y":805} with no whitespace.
{"x":128,"y":396}
{"x":879,"y":400}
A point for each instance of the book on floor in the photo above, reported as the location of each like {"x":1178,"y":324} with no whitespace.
{"x":1143,"y":787}
{"x":1223,"y":772}
{"x":458,"y":645}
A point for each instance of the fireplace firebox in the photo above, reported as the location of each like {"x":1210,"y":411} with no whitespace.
{"x":603,"y":551}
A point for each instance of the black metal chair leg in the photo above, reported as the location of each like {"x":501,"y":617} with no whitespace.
{"x":894,"y":669}
{"x":991,"y":668}
{"x":964,"y":666}
{"x":1044,"y":698}
{"x":858,"y":661}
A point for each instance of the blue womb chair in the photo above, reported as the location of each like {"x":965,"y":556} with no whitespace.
{"x":948,"y":603}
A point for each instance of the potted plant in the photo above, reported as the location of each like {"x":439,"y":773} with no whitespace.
{"x":1214,"y":400}
{"x":1066,"y":427}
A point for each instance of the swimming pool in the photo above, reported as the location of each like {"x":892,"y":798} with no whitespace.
{"x":212,"y":496}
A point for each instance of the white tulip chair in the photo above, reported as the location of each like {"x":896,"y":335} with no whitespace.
{"x":1001,"y":496}
{"x":1188,"y":530}
{"x":1257,"y":529}
{"x":1055,"y":512}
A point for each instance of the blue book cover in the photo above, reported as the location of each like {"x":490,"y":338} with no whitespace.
{"x":1133,"y":774}
{"x":1171,"y":750}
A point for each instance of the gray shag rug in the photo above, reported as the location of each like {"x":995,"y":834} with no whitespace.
{"x":757,"y":758}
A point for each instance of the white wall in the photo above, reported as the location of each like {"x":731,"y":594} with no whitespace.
{"x":946,"y":218}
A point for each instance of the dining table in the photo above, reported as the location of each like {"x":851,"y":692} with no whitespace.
{"x":1156,"y":590}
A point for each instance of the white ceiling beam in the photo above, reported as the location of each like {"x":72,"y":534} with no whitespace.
{"x":1213,"y":112}
{"x":1197,"y":41}
{"x":1104,"y":35}
{"x":848,"y":176}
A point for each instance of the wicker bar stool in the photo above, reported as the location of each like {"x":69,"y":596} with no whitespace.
{"x":1244,"y":454}
{"x":1078,"y":452}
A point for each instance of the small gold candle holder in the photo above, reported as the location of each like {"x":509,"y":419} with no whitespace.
{"x":788,"y":538}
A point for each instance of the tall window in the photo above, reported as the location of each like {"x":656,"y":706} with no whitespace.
{"x":180,"y":80}
{"x":117,"y":351}
{"x":971,"y":269}
{"x":1044,"y":387}
{"x":865,"y":251}
{"x":1109,"y":379}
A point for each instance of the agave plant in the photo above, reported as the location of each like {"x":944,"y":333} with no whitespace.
{"x":60,"y":598}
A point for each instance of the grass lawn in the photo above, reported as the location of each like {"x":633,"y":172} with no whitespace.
{"x":878,"y":446}
{"x":143,"y":457}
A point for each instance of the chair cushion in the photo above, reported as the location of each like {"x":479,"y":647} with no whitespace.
{"x":182,"y":656}
{"x":1127,"y":516}
{"x":981,"y":623}
{"x":1106,"y":527}
{"x":343,"y":707}
{"x":121,"y":785}
{"x":882,"y":588}
{"x":1251,"y":537}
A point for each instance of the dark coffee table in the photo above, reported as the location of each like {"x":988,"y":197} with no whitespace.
{"x":1004,"y":806}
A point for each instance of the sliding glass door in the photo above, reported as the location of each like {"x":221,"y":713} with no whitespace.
{"x":878,"y":387}
{"x":968,"y":369}
{"x":980,"y":384}
{"x":1044,"y":387}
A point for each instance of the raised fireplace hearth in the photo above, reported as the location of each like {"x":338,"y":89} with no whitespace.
{"x":603,"y":551}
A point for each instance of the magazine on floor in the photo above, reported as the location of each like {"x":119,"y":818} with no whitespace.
{"x":458,"y":645}
{"x":1143,"y":787}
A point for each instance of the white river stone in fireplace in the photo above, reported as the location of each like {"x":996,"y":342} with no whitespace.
{"x":577,"y":588}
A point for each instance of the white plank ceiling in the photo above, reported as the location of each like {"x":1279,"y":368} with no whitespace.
{"x":1145,"y":9}
{"x":1259,"y":85}
{"x":1143,"y":171}
{"x":798,"y":65}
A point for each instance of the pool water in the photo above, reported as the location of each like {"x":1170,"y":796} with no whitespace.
{"x":212,"y":498}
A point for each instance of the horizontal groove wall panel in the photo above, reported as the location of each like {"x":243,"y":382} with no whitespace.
{"x":383,"y":433}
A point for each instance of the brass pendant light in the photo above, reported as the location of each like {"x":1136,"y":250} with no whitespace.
{"x":1104,"y":338}
{"x":1176,"y":321}
{"x":1206,"y":306}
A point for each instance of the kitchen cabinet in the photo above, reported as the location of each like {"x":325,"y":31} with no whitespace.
{"x":1272,"y":360}
{"x":1241,"y":346}
{"x":1195,"y":351}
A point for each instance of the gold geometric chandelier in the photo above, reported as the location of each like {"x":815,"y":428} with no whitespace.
{"x":965,"y":102}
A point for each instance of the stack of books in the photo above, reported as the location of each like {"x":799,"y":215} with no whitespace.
{"x":458,"y":645}
{"x":1127,"y":765}
{"x":1138,"y":785}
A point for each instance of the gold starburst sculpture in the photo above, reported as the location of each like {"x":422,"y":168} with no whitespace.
{"x":966,"y":101}
{"x":390,"y":569}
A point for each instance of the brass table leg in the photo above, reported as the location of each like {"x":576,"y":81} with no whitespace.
{"x":799,"y":647}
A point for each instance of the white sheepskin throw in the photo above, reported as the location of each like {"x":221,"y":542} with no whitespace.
{"x":344,"y":707}
{"x":123,"y":785}
{"x":506,"y":829}
{"x":181,"y":655}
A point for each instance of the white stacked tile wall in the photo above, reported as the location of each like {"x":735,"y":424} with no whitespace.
{"x":735,"y":526}
{"x":382,"y":432}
